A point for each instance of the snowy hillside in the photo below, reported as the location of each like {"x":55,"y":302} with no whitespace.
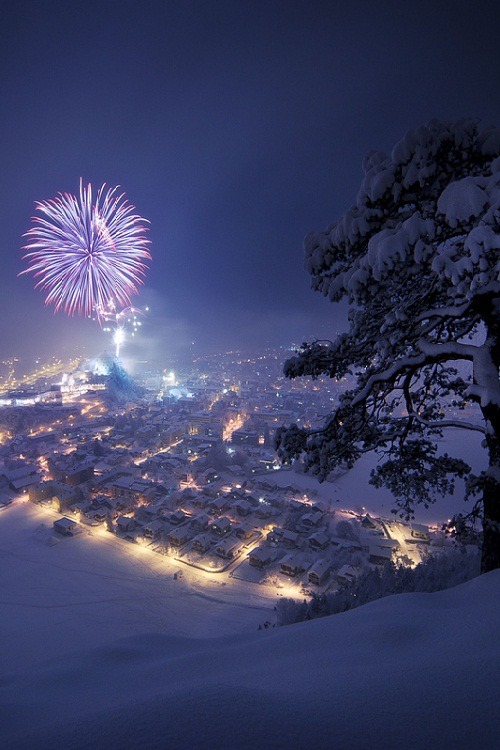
{"x":410,"y":671}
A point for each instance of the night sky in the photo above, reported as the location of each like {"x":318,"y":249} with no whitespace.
{"x":235,"y":128}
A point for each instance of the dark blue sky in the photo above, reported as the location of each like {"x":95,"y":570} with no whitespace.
{"x":234,"y":127}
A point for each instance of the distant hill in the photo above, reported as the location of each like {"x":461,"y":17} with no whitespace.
{"x":120,"y":385}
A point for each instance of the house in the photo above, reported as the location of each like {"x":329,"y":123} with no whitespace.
{"x":175,"y":499}
{"x":45,"y":437}
{"x":81,"y":506}
{"x":275,"y":536}
{"x":201,"y":500}
{"x":268,"y":462}
{"x":228,"y":548}
{"x":66,"y":527}
{"x":200,"y":522}
{"x":290,"y":539}
{"x":40,"y":491}
{"x":236,"y":472}
{"x":420,"y":532}
{"x":109,"y":504}
{"x":386,"y":542}
{"x":125,"y":524}
{"x":284,"y":537}
{"x":295,"y":505}
{"x":63,"y":496}
{"x":245,"y":437}
{"x":243,"y":507}
{"x":264,"y":511}
{"x":179,"y":537}
{"x":309,"y":520}
{"x":351,"y":545}
{"x":294,"y":564}
{"x":188,"y":495}
{"x":221,"y":526}
{"x":254,"y":502}
{"x":369,"y":523}
{"x":244,"y":530}
{"x":177,"y":517}
{"x":267,"y":486}
{"x":99,"y":515}
{"x":129,"y":488}
{"x":79,"y":473}
{"x":347,"y":574}
{"x":218,"y":505}
{"x":122,"y":487}
{"x":152,"y":529}
{"x":154,"y":510}
{"x":379,"y":555}
{"x":208,"y":476}
{"x":319,"y":572}
{"x":201,"y":544}
{"x":319,"y":540}
{"x":260,"y":557}
{"x":25,"y":482}
{"x":101,"y":467}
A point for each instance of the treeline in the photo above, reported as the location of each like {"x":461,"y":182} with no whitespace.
{"x":436,"y":573}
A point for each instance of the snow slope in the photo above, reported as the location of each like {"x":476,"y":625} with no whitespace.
{"x":411,"y":671}
{"x":85,"y":592}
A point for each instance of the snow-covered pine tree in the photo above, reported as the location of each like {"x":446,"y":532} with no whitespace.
{"x":418,"y":260}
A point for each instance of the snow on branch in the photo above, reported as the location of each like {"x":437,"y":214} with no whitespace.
{"x":447,"y":423}
{"x":446,"y":312}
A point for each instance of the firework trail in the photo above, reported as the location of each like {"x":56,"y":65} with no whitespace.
{"x":88,"y":256}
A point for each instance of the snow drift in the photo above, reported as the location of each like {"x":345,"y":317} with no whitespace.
{"x":411,"y":671}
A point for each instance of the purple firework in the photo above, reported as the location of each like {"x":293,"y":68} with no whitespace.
{"x":87,"y":256}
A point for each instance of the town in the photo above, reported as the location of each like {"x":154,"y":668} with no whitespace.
{"x":182,"y":463}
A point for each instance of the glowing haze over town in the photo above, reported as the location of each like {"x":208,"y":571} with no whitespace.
{"x":162,"y":163}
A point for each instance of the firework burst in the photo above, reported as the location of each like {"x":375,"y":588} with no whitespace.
{"x":87,"y":255}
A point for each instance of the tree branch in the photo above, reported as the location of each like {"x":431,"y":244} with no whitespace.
{"x":431,"y":354}
{"x":445,"y":312}
{"x":447,"y":423}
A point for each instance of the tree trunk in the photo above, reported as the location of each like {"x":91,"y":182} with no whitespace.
{"x":490,"y":558}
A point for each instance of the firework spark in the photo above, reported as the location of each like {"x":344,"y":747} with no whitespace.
{"x":87,"y":255}
{"x":124,"y":323}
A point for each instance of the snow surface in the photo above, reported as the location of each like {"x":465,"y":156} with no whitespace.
{"x":58,"y":595}
{"x":104,"y":668}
